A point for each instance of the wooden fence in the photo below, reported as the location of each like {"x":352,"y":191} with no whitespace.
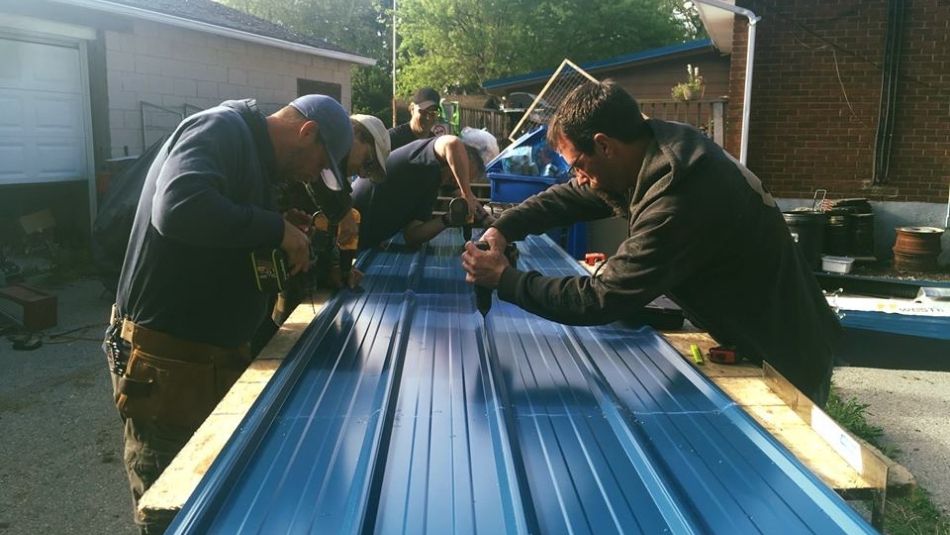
{"x":494,"y":121}
{"x":707,"y":114}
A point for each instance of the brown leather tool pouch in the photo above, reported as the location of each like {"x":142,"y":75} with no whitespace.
{"x":172,"y":392}
{"x":180,"y":391}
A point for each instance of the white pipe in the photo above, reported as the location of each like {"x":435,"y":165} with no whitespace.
{"x":946,"y":222}
{"x":394,"y":63}
{"x":749,"y":58}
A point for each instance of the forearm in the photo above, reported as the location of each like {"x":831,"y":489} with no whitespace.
{"x":458,"y":162}
{"x":568,"y":300}
{"x":559,"y":205}
{"x":418,"y":232}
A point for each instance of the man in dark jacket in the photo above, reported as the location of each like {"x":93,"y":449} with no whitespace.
{"x":187,"y":301}
{"x":703,"y":231}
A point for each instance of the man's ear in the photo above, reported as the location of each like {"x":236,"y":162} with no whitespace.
{"x":605,"y":143}
{"x":310,"y":130}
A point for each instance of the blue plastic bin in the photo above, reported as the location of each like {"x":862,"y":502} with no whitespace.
{"x":516,"y":188}
{"x":510,"y":187}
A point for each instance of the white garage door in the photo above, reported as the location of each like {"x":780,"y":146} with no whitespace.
{"x":42,"y":118}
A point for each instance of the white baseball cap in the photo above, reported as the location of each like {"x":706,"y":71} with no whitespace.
{"x":381,"y":140}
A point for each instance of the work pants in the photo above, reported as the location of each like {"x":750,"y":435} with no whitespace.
{"x":168,"y":389}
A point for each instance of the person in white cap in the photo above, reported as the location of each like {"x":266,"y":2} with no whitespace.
{"x":371,"y":147}
{"x":366,"y":159}
{"x":187,"y":302}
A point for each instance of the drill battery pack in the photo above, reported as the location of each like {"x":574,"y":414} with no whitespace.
{"x":270,"y":269}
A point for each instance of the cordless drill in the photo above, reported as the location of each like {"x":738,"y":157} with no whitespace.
{"x":344,"y":235}
{"x":270,"y":269}
{"x":483,"y":294}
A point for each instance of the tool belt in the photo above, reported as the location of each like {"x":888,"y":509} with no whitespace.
{"x":164,"y":379}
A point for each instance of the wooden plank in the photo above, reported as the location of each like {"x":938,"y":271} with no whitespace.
{"x":871,"y":464}
{"x":771,"y":412}
{"x":179,"y":480}
{"x":681,"y":340}
{"x":856,"y":471}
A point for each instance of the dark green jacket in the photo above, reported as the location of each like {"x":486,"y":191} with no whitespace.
{"x":704,"y":232}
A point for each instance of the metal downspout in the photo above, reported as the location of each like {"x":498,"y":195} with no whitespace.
{"x":750,"y":56}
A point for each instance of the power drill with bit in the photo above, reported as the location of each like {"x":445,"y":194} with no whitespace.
{"x":483,"y":295}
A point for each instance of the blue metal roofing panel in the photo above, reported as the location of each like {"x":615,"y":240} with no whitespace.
{"x":397,"y":413}
{"x":926,"y":327}
{"x":617,"y":61}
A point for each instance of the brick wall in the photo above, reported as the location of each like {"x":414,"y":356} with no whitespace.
{"x":812,"y":59}
{"x":171,"y":67}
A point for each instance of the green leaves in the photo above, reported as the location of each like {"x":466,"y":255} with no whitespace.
{"x":456,"y":45}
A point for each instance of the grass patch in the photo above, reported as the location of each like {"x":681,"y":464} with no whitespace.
{"x":911,"y":515}
{"x":915,"y":515}
{"x":851,"y":414}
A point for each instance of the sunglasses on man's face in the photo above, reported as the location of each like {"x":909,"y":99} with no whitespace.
{"x":431,"y":113}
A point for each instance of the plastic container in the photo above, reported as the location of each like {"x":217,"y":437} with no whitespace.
{"x":514,"y":176}
{"x":837,"y":264}
{"x":516,"y":188}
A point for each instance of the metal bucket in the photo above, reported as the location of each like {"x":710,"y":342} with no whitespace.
{"x":862,"y":230}
{"x":838,"y":233}
{"x":807,"y":228}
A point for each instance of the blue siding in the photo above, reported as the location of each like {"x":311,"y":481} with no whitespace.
{"x":617,"y":61}
{"x":396,"y":413}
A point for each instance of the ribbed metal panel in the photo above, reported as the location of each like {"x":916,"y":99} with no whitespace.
{"x":397,"y":414}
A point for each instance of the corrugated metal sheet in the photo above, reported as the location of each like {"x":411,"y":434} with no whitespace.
{"x":397,"y":414}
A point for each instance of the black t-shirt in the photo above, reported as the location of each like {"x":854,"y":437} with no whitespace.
{"x":401,"y":135}
{"x":413,"y":175}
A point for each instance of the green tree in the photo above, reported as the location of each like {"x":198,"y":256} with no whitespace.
{"x":359,"y":26}
{"x":458,"y":44}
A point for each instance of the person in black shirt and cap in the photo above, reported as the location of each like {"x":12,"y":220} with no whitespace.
{"x":187,"y":301}
{"x":425,"y":112}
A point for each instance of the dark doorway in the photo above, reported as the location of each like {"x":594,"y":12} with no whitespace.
{"x":309,"y":87}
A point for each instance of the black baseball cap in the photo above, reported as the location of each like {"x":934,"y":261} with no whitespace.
{"x":426,"y":97}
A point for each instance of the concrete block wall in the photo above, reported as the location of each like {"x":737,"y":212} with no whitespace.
{"x":171,"y":67}
{"x":816,"y":92}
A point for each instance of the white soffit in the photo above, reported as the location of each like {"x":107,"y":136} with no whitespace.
{"x":173,"y":20}
{"x":20,"y":23}
{"x":718,"y":23}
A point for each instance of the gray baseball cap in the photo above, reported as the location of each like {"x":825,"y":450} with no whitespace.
{"x":336,"y":134}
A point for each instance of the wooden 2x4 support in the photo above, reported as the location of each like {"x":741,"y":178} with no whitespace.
{"x":849,"y":465}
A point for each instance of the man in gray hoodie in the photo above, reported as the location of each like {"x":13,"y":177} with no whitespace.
{"x":702,"y":230}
